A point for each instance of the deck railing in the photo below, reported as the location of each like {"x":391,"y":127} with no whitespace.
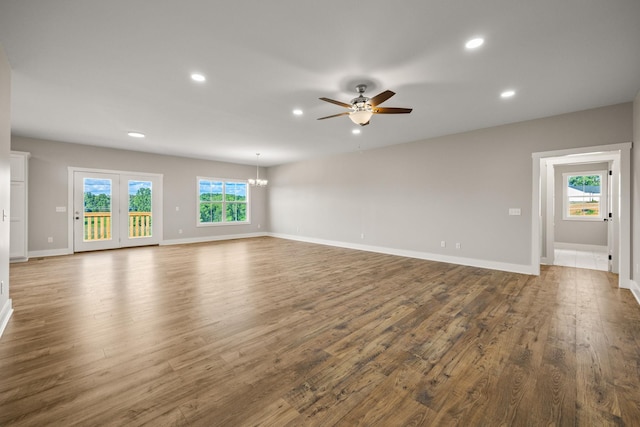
{"x":97,"y":225}
{"x":139,"y":224}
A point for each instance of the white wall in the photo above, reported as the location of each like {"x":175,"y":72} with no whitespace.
{"x":575,"y":231}
{"x":456,"y":188}
{"x":5,"y":185}
{"x":635,"y":196}
{"x":48,"y":188}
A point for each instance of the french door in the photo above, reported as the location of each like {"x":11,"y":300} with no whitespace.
{"x":113,"y":210}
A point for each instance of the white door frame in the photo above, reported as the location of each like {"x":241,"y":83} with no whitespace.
{"x":157,"y":224}
{"x":622,"y":220}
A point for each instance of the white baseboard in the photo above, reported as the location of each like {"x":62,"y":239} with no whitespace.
{"x":635,"y":289}
{"x":580,"y":247}
{"x":50,"y":252}
{"x":5,"y":315}
{"x":545,"y":261}
{"x":210,"y":239}
{"x":471,"y":262}
{"x":68,"y":251}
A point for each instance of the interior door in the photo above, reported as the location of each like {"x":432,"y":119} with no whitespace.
{"x":96,"y":207}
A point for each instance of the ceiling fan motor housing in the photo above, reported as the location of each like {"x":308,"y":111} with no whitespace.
{"x":361,"y":103}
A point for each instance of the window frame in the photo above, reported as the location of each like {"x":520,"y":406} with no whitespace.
{"x":602,"y":204}
{"x":224,"y":201}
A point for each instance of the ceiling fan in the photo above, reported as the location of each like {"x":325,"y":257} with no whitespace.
{"x":362,"y":107}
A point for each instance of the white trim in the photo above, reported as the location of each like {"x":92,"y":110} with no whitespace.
{"x":471,"y":262}
{"x":18,"y":259}
{"x":570,"y":152}
{"x":545,"y":261}
{"x":5,"y":315}
{"x":621,"y":154}
{"x":50,"y":252}
{"x":581,"y":247}
{"x":635,"y":289}
{"x":211,"y":238}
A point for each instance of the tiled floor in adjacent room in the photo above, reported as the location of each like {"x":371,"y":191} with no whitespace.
{"x":593,"y":260}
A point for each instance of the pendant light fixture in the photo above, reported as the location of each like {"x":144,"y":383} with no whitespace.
{"x":257,"y":182}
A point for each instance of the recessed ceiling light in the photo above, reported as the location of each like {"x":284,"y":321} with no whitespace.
{"x":198,"y":77}
{"x":355,"y":131}
{"x":135,"y":134}
{"x":297,"y":112}
{"x":507,"y":93}
{"x":474,"y":43}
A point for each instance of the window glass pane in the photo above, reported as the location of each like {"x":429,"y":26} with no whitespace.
{"x":583,"y":195}
{"x":210,"y":212}
{"x":97,"y":209}
{"x":230,"y":191}
{"x":139,"y":209}
{"x":236,"y":212}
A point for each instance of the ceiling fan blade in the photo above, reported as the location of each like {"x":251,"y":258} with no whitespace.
{"x":335,"y":115}
{"x":392,"y":110}
{"x":381,"y":97}
{"x":333,"y":101}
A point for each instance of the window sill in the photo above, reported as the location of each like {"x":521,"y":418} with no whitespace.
{"x":219,"y":224}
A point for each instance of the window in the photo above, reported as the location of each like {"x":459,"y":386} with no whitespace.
{"x":583,"y":198}
{"x":222,"y":202}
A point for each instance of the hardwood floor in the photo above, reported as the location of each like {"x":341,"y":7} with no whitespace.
{"x":273,"y":332}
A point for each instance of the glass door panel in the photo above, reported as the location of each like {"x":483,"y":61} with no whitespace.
{"x":141,"y":222}
{"x":95,"y":201}
{"x":140,"y":208}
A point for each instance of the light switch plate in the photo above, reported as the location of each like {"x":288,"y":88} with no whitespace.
{"x":514,"y":211}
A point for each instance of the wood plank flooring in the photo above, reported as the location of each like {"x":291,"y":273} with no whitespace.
{"x":272,"y":332}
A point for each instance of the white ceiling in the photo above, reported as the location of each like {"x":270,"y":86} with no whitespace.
{"x":89,"y":71}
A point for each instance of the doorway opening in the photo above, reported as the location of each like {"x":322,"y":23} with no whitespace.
{"x":112,"y":209}
{"x":612,"y":216}
{"x":579,"y":212}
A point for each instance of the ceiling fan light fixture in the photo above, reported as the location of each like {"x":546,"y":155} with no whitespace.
{"x":361,"y":117}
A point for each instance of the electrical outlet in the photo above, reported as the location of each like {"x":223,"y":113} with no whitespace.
{"x":362,"y":235}
{"x":50,"y":239}
{"x":1,"y":287}
{"x":457,"y":245}
{"x":443,"y":244}
{"x":180,"y":231}
{"x":259,"y":226}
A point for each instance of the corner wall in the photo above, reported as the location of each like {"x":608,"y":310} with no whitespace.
{"x":5,"y":186}
{"x":408,"y":198}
